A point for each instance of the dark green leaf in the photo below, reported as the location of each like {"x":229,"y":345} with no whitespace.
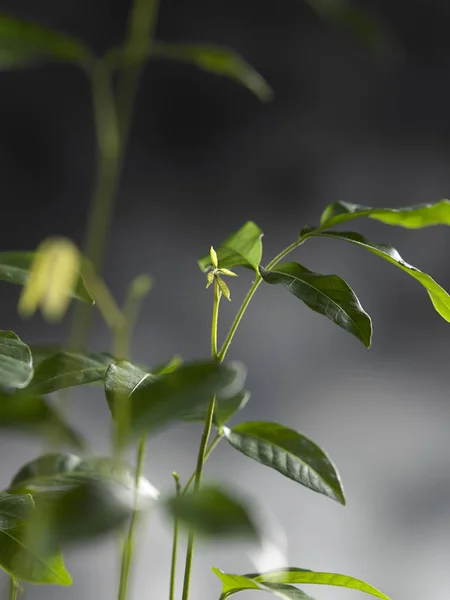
{"x":34,"y":415}
{"x":47,"y":465}
{"x":217,"y":60}
{"x":79,"y":499}
{"x":15,"y":268}
{"x":16,"y":556}
{"x":155,"y":401}
{"x":290,"y":453}
{"x":122,"y":379}
{"x":439,"y":297}
{"x":68,"y":369}
{"x":16,"y":362}
{"x":23,"y":43}
{"x":411,"y":217}
{"x":233,"y":584}
{"x":328,"y":295}
{"x":296,"y":576}
{"x":240,"y":249}
{"x":224,"y":409}
{"x":13,"y":509}
{"x":213,"y":512}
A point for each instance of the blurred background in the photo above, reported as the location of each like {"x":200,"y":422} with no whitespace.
{"x":348,"y":122}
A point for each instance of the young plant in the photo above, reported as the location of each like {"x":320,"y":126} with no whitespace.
{"x":64,"y":498}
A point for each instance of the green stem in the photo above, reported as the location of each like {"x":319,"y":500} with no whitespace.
{"x":108,"y":175}
{"x":173,"y":568}
{"x":127,"y":553}
{"x":252,"y":292}
{"x":202,"y":451}
{"x":13,"y":589}
{"x":211,"y":448}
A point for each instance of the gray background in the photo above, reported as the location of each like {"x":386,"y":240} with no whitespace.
{"x":205,"y":156}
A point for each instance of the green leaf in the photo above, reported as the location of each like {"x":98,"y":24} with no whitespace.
{"x":23,"y":43}
{"x":296,"y":576}
{"x":241,"y":249}
{"x":233,"y":584}
{"x":16,"y":362}
{"x":411,"y":217}
{"x":79,"y":499}
{"x":68,"y":369}
{"x":15,"y":268}
{"x":167,"y":367}
{"x":214,"y":513}
{"x":224,"y":409}
{"x":16,"y":556}
{"x":439,"y":297}
{"x":217,"y":60}
{"x":33,"y":414}
{"x":155,"y":401}
{"x":290,"y":453}
{"x":328,"y":295}
{"x":121,"y":380}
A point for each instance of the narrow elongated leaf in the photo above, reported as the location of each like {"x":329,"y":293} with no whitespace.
{"x":233,"y":584}
{"x":300,"y":576}
{"x":23,"y":43}
{"x":33,"y":414}
{"x":224,"y":409}
{"x":16,"y":362}
{"x":328,"y":295}
{"x":241,"y":249}
{"x":79,"y":499}
{"x":217,"y":60}
{"x":411,"y":217}
{"x":157,"y":401}
{"x":15,"y":268}
{"x":290,"y":453}
{"x":439,"y":297}
{"x":213,"y":513}
{"x":68,"y":369}
{"x":16,"y":557}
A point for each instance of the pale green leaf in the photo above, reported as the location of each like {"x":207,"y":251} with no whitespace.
{"x":16,"y":361}
{"x":241,"y":249}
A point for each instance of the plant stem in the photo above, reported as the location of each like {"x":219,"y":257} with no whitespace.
{"x":211,"y":448}
{"x":127,"y":552}
{"x":173,"y":568}
{"x":251,"y":293}
{"x":202,"y":451}
{"x":13,"y":588}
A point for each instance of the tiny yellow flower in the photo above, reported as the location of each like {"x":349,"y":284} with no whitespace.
{"x":54,"y":274}
{"x":215,"y":273}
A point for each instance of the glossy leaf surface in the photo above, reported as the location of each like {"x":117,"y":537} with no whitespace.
{"x":290,"y":453}
{"x":214,"y":513}
{"x":300,"y":576}
{"x":411,"y":217}
{"x":439,"y":297}
{"x":241,"y":249}
{"x":79,"y":499}
{"x":233,"y":584}
{"x":157,"y":401}
{"x":68,"y":369}
{"x":24,"y":43}
{"x":217,"y":60}
{"x":15,"y":268}
{"x":328,"y":295}
{"x":16,"y":361}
